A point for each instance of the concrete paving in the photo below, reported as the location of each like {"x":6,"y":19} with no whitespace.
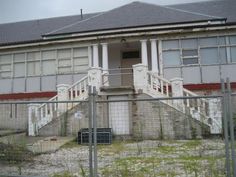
{"x":35,"y":144}
{"x":48,"y":144}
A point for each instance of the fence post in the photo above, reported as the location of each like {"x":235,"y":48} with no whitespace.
{"x":140,"y":77}
{"x":225,"y":123}
{"x":95,"y":77}
{"x":32,"y":119}
{"x":177,"y":91}
{"x":63,"y":95}
{"x":94,"y":132}
{"x":231,"y":126}
{"x":90,"y":104}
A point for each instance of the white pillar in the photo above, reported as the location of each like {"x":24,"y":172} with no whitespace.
{"x":144,"y":52}
{"x":154,"y":55}
{"x":160,"y":57}
{"x":140,"y":77}
{"x":105,"y":63}
{"x":90,"y":55}
{"x":104,"y":56}
{"x":33,"y":119}
{"x":95,"y":56}
{"x":177,"y":91}
{"x":95,"y":77}
{"x":63,"y":95}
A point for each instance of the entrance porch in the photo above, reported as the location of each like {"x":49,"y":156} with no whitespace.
{"x":116,"y":59}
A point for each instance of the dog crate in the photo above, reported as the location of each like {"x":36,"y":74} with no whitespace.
{"x":104,"y":136}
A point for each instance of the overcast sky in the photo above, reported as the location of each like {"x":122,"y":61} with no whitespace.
{"x":19,"y":10}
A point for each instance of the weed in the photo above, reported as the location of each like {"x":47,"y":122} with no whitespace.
{"x":63,"y":174}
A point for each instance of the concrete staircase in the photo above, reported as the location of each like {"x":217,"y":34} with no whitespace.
{"x":44,"y":114}
{"x":200,"y":109}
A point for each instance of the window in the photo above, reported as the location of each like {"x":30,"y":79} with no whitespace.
{"x":171,"y":53}
{"x":233,"y":53}
{"x":19,"y":65}
{"x":189,"y":51}
{"x":5,"y":66}
{"x":33,"y":63}
{"x":130,"y":55}
{"x":80,"y":59}
{"x":49,"y":62}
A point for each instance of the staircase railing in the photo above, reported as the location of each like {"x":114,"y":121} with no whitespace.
{"x":157,"y":84}
{"x":47,"y":111}
{"x":198,"y":108}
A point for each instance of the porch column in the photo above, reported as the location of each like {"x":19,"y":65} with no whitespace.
{"x":160,"y":57}
{"x":154,"y":55}
{"x":105,"y":63}
{"x":144,"y":52}
{"x":95,"y":56}
{"x":90,"y":55}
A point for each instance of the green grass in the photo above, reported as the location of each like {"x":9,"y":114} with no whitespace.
{"x":71,"y":144}
{"x":63,"y":174}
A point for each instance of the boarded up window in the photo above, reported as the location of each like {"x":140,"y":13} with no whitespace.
{"x":80,"y":59}
{"x":19,"y":65}
{"x":49,"y":62}
{"x":33,"y":63}
{"x":64,"y":61}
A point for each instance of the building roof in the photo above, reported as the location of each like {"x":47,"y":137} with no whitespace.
{"x":135,"y":14}
{"x":226,"y":8}
{"x":31,"y":31}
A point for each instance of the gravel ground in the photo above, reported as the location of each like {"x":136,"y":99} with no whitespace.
{"x":126,"y":158}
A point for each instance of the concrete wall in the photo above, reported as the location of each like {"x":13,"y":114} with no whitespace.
{"x":14,"y":116}
{"x":157,"y":120}
{"x":68,"y":124}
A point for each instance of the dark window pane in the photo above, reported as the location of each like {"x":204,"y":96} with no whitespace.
{"x":187,"y":53}
{"x":130,"y":54}
{"x":189,"y":61}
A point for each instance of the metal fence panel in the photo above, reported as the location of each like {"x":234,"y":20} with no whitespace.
{"x":151,"y":137}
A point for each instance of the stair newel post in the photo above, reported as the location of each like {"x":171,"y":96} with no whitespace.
{"x":140,"y":78}
{"x":177,"y":91}
{"x":63,"y":95}
{"x":95,"y":78}
{"x":33,"y":117}
{"x":215,"y":113}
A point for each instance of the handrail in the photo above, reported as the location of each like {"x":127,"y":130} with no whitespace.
{"x":158,"y":84}
{"x":82,"y":79}
{"x":46,"y":110}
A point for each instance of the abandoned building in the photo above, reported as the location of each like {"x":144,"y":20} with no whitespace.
{"x":137,"y":50}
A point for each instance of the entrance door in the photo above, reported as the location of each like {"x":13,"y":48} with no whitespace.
{"x":119,"y":115}
{"x":129,"y":58}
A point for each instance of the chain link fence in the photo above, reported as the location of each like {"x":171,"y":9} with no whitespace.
{"x":136,"y":136}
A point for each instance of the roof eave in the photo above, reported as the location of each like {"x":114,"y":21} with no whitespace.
{"x":137,"y":28}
